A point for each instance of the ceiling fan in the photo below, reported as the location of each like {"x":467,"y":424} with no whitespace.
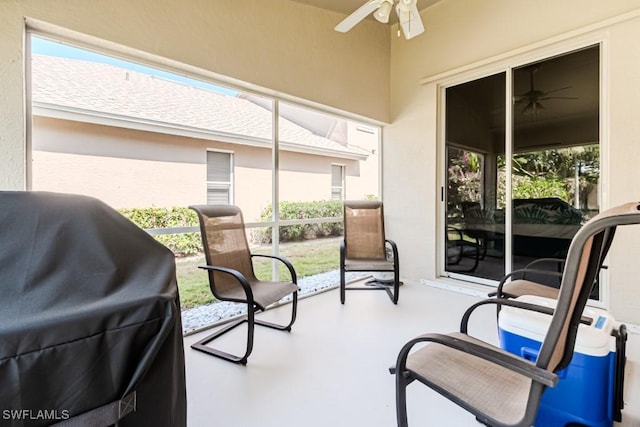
{"x":532,"y":99}
{"x":407,"y":11}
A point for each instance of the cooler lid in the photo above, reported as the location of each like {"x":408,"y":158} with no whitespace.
{"x":592,"y":339}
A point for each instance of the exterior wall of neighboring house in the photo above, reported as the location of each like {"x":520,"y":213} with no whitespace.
{"x":129,"y":168}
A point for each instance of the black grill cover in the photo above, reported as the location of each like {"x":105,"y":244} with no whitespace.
{"x":89,"y":312}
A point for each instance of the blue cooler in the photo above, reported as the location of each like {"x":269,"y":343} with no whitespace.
{"x":589,"y":391}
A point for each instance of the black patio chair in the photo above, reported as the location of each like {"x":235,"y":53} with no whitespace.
{"x":500,"y":388}
{"x":232,"y":278}
{"x":364,"y":248}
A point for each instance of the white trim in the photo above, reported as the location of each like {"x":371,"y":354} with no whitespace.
{"x":28,"y":107}
{"x":632,"y":329}
{"x":218,"y":150}
{"x":441,"y":183}
{"x":365,"y":129}
{"x":571,"y":36}
{"x":605,"y":146}
{"x":462,"y":277}
{"x":505,"y":63}
{"x":54,"y":111}
{"x":508,"y":175}
{"x":275,"y":186}
{"x":466,"y":288}
{"x":380,"y":165}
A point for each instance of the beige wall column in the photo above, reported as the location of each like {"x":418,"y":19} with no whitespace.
{"x":12,"y":115}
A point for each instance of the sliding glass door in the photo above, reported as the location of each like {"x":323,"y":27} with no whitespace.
{"x":549,"y":156}
{"x":475,"y":129}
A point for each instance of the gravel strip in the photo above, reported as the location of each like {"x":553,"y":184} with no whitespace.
{"x":198,"y":317}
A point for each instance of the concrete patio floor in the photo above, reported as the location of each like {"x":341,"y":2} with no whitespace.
{"x":332,"y":368}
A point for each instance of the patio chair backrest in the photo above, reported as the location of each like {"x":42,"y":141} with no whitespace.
{"x":225,"y":244}
{"x":588,"y":248}
{"x":364,"y":230}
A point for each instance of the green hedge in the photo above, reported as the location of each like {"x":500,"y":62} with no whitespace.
{"x":302,"y":210}
{"x":153,"y":217}
{"x":190,"y":243}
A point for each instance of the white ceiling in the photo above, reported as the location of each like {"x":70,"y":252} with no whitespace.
{"x":348,"y":6}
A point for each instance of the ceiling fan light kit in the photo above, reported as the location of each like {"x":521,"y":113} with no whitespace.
{"x":407,"y":10}
{"x":383,"y":12}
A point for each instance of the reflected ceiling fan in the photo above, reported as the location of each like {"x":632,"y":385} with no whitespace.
{"x":407,"y":11}
{"x":533,"y":98}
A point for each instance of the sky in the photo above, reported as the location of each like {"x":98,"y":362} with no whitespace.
{"x":47,"y":47}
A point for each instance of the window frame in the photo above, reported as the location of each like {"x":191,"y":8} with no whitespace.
{"x":230,"y":183}
{"x":343,"y":173}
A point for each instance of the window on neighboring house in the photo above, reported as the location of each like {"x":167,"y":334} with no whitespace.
{"x":337,"y":182}
{"x":219,"y":178}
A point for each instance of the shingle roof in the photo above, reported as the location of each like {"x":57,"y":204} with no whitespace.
{"x":108,"y":89}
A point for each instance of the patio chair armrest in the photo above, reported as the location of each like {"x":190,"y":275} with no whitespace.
{"x":237,"y":275}
{"x":493,"y":355}
{"x":498,"y":292}
{"x":561,"y":262}
{"x":286,"y":262}
{"x":464,"y":323}
{"x":394,"y":248}
{"x":513,"y":303}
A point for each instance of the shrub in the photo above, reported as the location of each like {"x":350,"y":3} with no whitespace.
{"x":525,"y":187}
{"x":153,"y":217}
{"x":302,"y":210}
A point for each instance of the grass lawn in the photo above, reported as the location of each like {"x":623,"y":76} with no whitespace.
{"x":308,"y":258}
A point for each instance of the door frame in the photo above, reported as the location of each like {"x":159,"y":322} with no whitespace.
{"x":506,"y":63}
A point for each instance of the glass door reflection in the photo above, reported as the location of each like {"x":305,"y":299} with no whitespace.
{"x":556,"y":155}
{"x":475,"y":136}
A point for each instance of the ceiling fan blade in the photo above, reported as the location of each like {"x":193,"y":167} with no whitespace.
{"x":409,"y":18}
{"x":362,"y":12}
{"x":558,"y":97}
{"x":557,"y":90}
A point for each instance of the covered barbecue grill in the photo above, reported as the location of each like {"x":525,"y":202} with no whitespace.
{"x":90,"y":329}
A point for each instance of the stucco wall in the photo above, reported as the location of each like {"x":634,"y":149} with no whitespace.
{"x":130,"y":168}
{"x":461,"y":32}
{"x":277,"y":44}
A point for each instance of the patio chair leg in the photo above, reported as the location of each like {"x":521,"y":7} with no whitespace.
{"x":401,"y":399}
{"x":343,"y":283}
{"x":251,"y":322}
{"x":393,"y":296}
{"x":396,"y":286}
{"x":294,"y":310}
{"x":342,"y":286}
{"x":203,"y":347}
